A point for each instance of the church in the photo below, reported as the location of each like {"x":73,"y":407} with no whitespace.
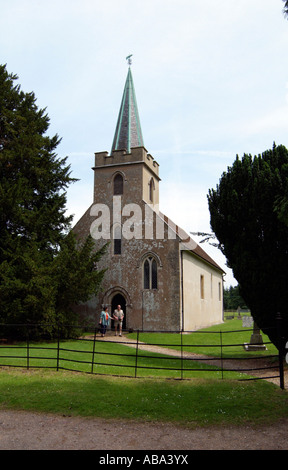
{"x":162,"y":279}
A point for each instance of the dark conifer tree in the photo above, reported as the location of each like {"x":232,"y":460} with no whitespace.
{"x":246,"y":219}
{"x":33,"y":221}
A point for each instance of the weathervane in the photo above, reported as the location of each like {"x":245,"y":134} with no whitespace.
{"x":128,"y":58}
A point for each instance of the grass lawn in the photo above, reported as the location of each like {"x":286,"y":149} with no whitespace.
{"x":203,"y":400}
{"x":113,"y":358}
{"x":106,"y":358}
{"x":199,"y":402}
{"x":208,"y":341}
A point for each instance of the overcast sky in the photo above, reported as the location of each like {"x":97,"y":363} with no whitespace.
{"x":211,"y":81}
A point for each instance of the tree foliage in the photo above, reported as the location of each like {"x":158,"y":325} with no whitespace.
{"x":43,"y":269}
{"x":247,"y":220}
{"x":232,"y":298}
{"x":285,"y":9}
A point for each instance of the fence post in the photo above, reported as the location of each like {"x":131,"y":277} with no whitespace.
{"x":221,"y":348}
{"x":28,"y":352}
{"x":281,"y":348}
{"x":181,"y":353}
{"x":58,"y":348}
{"x":93,"y":354}
{"x":136,"y":359}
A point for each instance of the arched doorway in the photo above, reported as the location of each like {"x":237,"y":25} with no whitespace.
{"x":119,"y":299}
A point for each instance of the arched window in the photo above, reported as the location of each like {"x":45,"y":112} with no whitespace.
{"x":118,"y":185}
{"x":150,"y":273}
{"x":117,"y":241}
{"x":151,"y":189}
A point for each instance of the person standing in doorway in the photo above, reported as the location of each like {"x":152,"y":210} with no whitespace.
{"x":118,"y":316}
{"x":104,"y":321}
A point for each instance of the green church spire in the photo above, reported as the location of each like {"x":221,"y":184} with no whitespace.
{"x":128,"y":132}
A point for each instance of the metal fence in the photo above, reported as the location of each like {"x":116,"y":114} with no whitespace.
{"x":132,"y":357}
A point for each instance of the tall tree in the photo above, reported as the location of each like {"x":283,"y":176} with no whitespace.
{"x":75,"y":276}
{"x":232,"y":299}
{"x":252,"y":236}
{"x":33,"y":220}
{"x":33,"y":179}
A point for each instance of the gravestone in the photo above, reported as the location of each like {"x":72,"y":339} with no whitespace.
{"x":247,"y":321}
{"x":256,"y":340}
{"x":239,"y":313}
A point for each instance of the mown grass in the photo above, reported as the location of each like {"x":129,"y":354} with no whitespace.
{"x":226,"y":339}
{"x":204,"y":399}
{"x":113,"y":358}
{"x":106,"y":358}
{"x":199,"y":402}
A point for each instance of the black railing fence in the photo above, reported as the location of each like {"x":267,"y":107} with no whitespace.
{"x":89,"y":352}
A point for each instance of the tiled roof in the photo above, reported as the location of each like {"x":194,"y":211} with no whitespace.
{"x":188,"y":244}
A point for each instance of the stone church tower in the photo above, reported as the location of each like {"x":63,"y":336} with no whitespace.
{"x":162,"y":279}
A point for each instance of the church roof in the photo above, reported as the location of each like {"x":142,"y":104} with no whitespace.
{"x":128,"y":129}
{"x":188,"y":244}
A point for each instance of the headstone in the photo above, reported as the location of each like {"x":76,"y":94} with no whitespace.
{"x":247,"y":321}
{"x":256,"y":341}
{"x":239,"y":313}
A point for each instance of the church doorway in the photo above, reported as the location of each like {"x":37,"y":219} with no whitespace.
{"x":118,"y":299}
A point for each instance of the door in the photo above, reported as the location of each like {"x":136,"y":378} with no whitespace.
{"x":118,"y":299}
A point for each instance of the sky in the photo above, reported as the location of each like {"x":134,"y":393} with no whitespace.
{"x":211,"y":81}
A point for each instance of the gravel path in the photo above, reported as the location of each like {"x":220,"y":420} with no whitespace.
{"x":36,"y":431}
{"x":258,"y":367}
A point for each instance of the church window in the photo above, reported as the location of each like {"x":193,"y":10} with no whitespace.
{"x":117,"y":240}
{"x":146,"y":274}
{"x":150,"y":273}
{"x":202,"y":286}
{"x":154,"y":274}
{"x":118,"y":185}
{"x":117,"y":246}
{"x":219,"y":289}
{"x":151,"y":189}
